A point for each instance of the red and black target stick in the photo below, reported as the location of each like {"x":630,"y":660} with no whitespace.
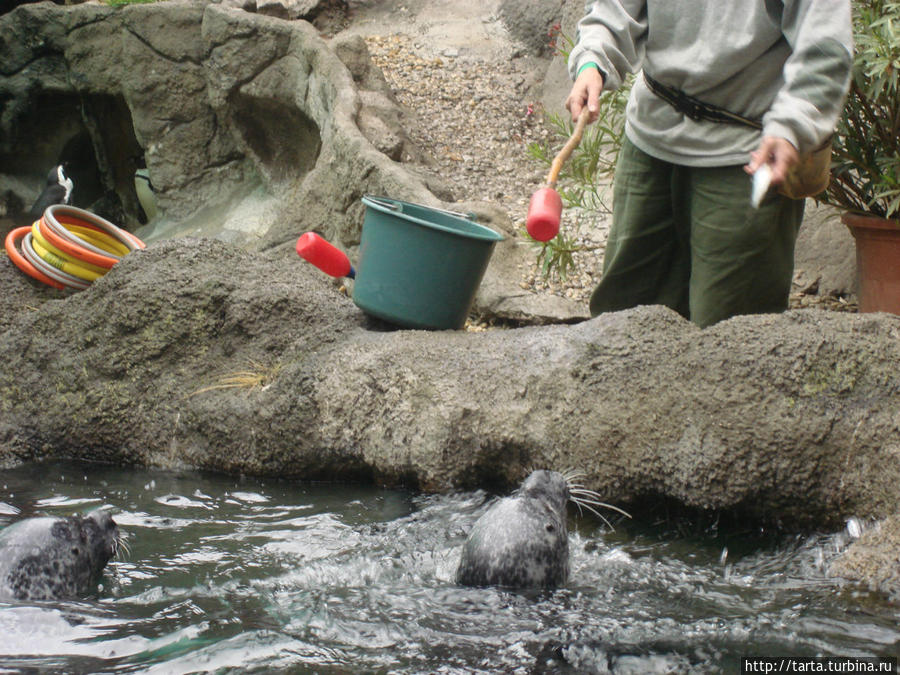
{"x":545,"y":208}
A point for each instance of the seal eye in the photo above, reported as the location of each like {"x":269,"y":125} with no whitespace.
{"x":550,"y":527}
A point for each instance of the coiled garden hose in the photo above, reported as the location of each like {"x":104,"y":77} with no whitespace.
{"x":69,"y":247}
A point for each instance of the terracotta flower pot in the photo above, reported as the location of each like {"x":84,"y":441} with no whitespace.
{"x":877,"y":261}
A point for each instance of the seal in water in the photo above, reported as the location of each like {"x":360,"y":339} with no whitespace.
{"x":522,"y":541}
{"x":55,"y":558}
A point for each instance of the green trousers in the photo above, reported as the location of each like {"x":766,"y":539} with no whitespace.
{"x":688,"y":238}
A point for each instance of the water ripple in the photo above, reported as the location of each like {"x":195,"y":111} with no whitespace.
{"x":249,"y":576}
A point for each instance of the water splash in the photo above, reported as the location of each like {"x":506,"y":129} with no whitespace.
{"x":264,"y":576}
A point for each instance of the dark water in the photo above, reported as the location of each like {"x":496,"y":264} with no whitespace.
{"x":257,"y":576}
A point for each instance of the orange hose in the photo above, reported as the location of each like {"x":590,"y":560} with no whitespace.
{"x":71,"y":220}
{"x":20,"y":261}
{"x":73,"y":249}
{"x":102,"y":252}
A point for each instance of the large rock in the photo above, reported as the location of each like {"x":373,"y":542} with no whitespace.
{"x":251,"y":127}
{"x":875,"y":558}
{"x":556,"y":82}
{"x":307,"y":10}
{"x":531,"y":22}
{"x":254,"y":129}
{"x":194,"y":353}
{"x":825,"y":257}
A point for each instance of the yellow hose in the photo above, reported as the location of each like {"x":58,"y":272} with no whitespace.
{"x":61,"y":263}
{"x":39,"y":241}
{"x":69,"y":247}
{"x":99,"y":239}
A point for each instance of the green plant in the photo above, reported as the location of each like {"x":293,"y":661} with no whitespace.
{"x":866,"y":160}
{"x":585,"y":178}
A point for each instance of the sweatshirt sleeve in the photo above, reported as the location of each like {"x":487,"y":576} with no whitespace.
{"x":816,"y":75}
{"x":612,"y":36}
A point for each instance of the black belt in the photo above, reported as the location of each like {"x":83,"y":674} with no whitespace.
{"x":695,"y":109}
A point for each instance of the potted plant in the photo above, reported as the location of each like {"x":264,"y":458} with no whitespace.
{"x":865,"y":175}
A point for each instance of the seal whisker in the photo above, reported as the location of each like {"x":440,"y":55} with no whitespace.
{"x":598,"y":514}
{"x":586,"y":503}
{"x":122,"y":546}
{"x":572,"y":475}
{"x":586,"y":494}
{"x":583,"y":490}
{"x":578,"y":506}
{"x":580,"y":499}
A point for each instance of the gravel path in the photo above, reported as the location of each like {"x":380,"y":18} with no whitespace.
{"x":476,"y":119}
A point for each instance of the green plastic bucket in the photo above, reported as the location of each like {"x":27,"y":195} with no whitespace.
{"x":419,"y":267}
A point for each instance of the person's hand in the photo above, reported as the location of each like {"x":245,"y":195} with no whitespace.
{"x":778,"y":153}
{"x":585,"y":91}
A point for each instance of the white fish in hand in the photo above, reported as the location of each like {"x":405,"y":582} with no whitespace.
{"x":762,"y":180}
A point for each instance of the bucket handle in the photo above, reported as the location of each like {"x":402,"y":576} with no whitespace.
{"x":382,"y":201}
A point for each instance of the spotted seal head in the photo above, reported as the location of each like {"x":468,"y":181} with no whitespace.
{"x":55,"y":558}
{"x":522,"y":541}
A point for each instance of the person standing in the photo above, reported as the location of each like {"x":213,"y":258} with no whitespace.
{"x":726,"y":86}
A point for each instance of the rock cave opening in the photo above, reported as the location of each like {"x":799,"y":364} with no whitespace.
{"x":93,"y":136}
{"x":285,"y":141}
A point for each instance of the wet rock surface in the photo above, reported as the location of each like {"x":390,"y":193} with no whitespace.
{"x":872,"y":559}
{"x":268,"y":369}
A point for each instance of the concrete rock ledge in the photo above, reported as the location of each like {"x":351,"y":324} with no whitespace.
{"x":792,"y":418}
{"x":249,"y":125}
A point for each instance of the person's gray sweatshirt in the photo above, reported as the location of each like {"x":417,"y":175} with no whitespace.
{"x":787,"y":63}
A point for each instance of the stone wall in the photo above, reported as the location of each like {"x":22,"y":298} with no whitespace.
{"x":248,"y":124}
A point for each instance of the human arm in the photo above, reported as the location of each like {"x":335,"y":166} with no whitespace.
{"x":816,"y":79}
{"x":586,"y":92}
{"x":778,"y":153}
{"x":611,"y":37}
